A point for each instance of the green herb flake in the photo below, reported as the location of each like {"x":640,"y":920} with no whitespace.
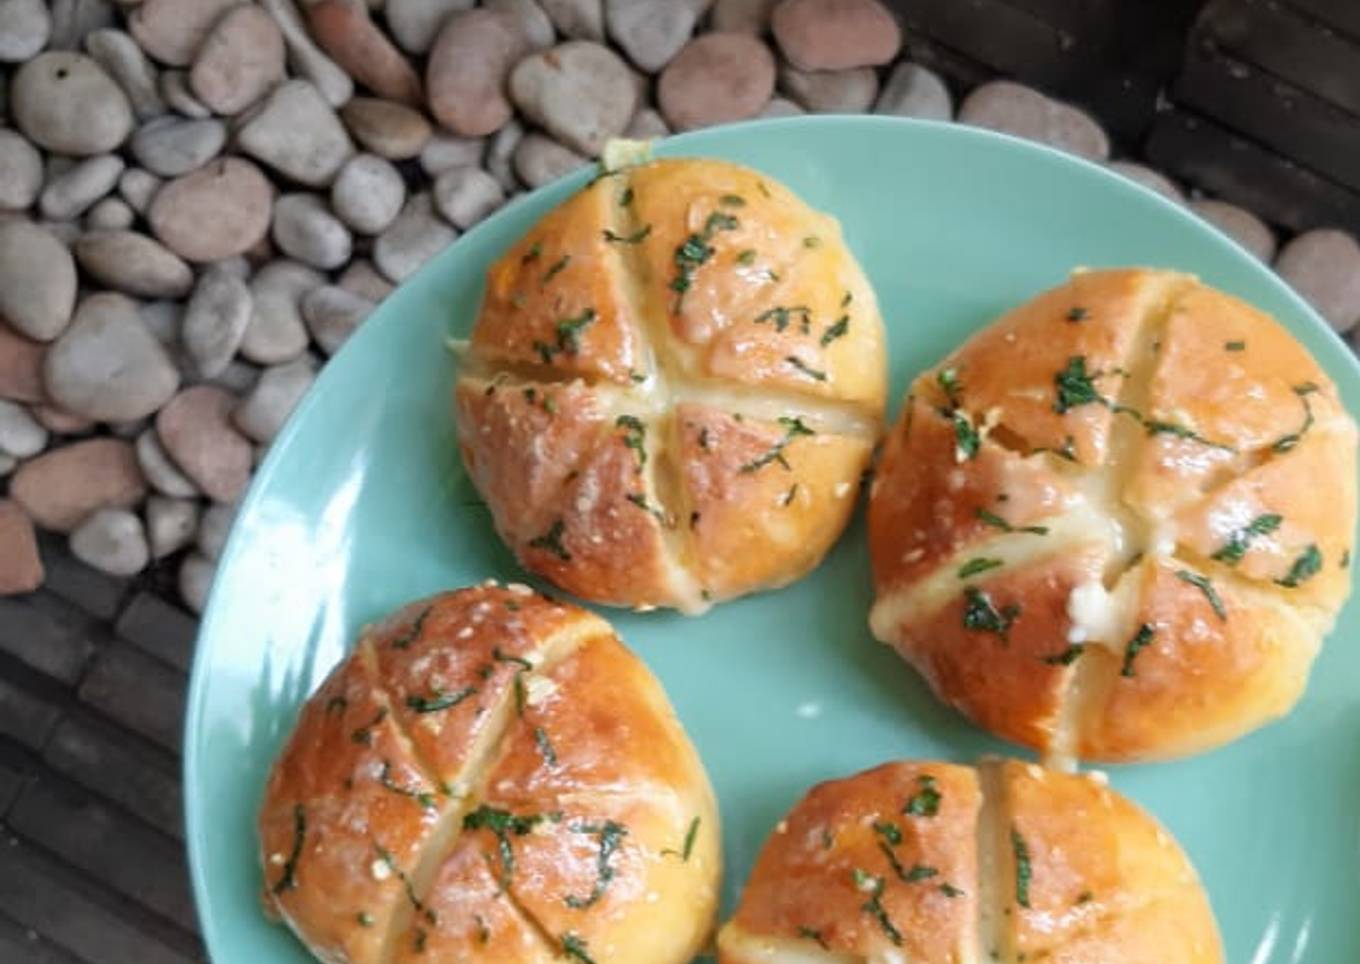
{"x":836,"y":330}
{"x":981,"y":564}
{"x":419,"y":940}
{"x":732,"y":201}
{"x":873,"y":886}
{"x":687,"y":846}
{"x":439,"y":701}
{"x":996,"y":522}
{"x":575,"y":948}
{"x":555,"y":269}
{"x":639,"y":499}
{"x":845,"y":301}
{"x":789,"y":496}
{"x":386,"y":857}
{"x":980,"y":615}
{"x":780,"y":316}
{"x":1085,"y":897}
{"x":925,"y":802}
{"x":483,"y":932}
{"x":534,"y":253}
{"x":364,"y":918}
{"x":1234,"y":346}
{"x":1346,"y":559}
{"x":1140,"y":641}
{"x":802,"y":366}
{"x":948,"y":380}
{"x":811,"y":934}
{"x":610,"y":836}
{"x":364,"y":734}
{"x":1077,"y":313}
{"x":888,"y":831}
{"x":1231,"y":552}
{"x":545,"y":746}
{"x":1075,"y":386}
{"x":1023,"y":870}
{"x":967,"y":441}
{"x":812,"y":241}
{"x":288,"y":880}
{"x":793,"y":428}
{"x":637,"y":237}
{"x":695,"y":251}
{"x":1305,"y":567}
{"x":422,"y":797}
{"x":1160,"y":427}
{"x":949,"y":890}
{"x":1067,"y":657}
{"x":920,"y":872}
{"x":413,"y":631}
{"x":551,"y":541}
{"x":1287,"y":442}
{"x":635,"y":437}
{"x":503,"y":825}
{"x":1206,"y":586}
{"x":337,"y":705}
{"x":746,"y":257}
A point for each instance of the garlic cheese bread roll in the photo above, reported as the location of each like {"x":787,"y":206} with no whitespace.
{"x":1117,"y":523}
{"x":491,"y":776}
{"x":931,"y":863}
{"x":673,"y":387}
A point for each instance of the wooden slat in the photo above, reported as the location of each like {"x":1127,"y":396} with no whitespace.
{"x":138,"y":691}
{"x":1248,"y":174}
{"x":48,"y":633}
{"x":1343,"y":15}
{"x":19,"y":945}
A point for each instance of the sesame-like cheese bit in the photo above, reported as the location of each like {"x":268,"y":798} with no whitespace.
{"x":465,"y":632}
{"x":781,"y":827}
{"x":380,"y":870}
{"x":519,"y":589}
{"x":1099,"y":777}
{"x":276,"y":859}
{"x":868,"y":883}
{"x":1093,"y":613}
{"x":538,"y":689}
{"x":842,"y":489}
{"x":489,"y":583}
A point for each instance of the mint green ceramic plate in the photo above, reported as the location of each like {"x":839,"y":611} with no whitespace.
{"x":362,"y":506}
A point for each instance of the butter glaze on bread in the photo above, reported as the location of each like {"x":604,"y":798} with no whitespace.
{"x":673,"y":387}
{"x":931,"y":863}
{"x":1117,"y":523}
{"x":491,"y":776}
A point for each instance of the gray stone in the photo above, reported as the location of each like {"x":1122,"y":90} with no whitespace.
{"x":782,"y":107}
{"x":500,"y":155}
{"x":576,"y":19}
{"x":21,"y":172}
{"x":74,"y":20}
{"x":716,"y":78}
{"x":466,"y":195}
{"x":368,"y":193}
{"x":1324,"y":266}
{"x":24,"y":28}
{"x":362,"y":279}
{"x":581,"y":92}
{"x":415,"y":237}
{"x":173,"y":30}
{"x":386,"y":128}
{"x":162,"y":319}
{"x":195,"y":428}
{"x":241,"y":58}
{"x":21,"y":435}
{"x":646,"y":124}
{"x":171,"y":146}
{"x":173,"y":86}
{"x":107,"y":366}
{"x":219,"y":211}
{"x":835,"y":34}
{"x":37,"y":280}
{"x":540,"y":160}
{"x":215,"y":321}
{"x":1242,"y":226}
{"x":651,"y":32}
{"x":298,"y":134}
{"x":306,"y":57}
{"x":214,"y":528}
{"x":67,"y":103}
{"x":138,"y":187}
{"x":465,"y":75}
{"x":1150,"y":179}
{"x":133,"y":263}
{"x":276,"y":332}
{"x":171,"y":524}
{"x":163,"y":474}
{"x":112,"y":540}
{"x":110,"y":214}
{"x":333,"y":314}
{"x":444,"y":151}
{"x":1011,"y":108}
{"x":305,"y":229}
{"x":195,"y":581}
{"x":915,"y":91}
{"x":533,"y":24}
{"x":265,"y":410}
{"x":743,"y":16}
{"x":125,"y":62}
{"x":830,"y":91}
{"x":75,"y":191}
{"x":415,"y":23}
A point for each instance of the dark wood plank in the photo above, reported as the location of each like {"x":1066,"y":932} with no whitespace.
{"x":1343,"y":15}
{"x":138,"y":691}
{"x":98,"y":593}
{"x":160,"y":628}
{"x":1308,"y":129}
{"x":1245,"y":173}
{"x":48,"y":633}
{"x":1280,"y":41}
{"x":960,"y":73}
{"x":128,"y":856}
{"x":24,"y":716}
{"x":20,"y":945}
{"x":36,"y":894}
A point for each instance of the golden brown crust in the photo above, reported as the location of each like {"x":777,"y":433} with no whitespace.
{"x":1199,"y":432}
{"x":491,"y":776}
{"x":684,"y":286}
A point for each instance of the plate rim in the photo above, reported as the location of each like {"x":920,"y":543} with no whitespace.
{"x":677,"y":145}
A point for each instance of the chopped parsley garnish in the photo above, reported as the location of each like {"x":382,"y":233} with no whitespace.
{"x":386,"y":857}
{"x":1346,"y":559}
{"x":336,"y":704}
{"x":611,"y":835}
{"x":746,"y":257}
{"x":836,"y":330}
{"x":413,"y":631}
{"x":981,"y":564}
{"x":811,"y":934}
{"x":545,"y":746}
{"x":920,"y":872}
{"x":364,"y":734}
{"x":793,"y":427}
{"x":635,"y":435}
{"x":422,"y":797}
{"x":484,"y":932}
{"x":1023,"y":870}
{"x":888,"y":831}
{"x":845,"y":302}
{"x":812,"y":241}
{"x":967,"y":441}
{"x":1234,"y":346}
{"x":1067,"y":657}
{"x":637,"y":237}
{"x":534,"y":253}
{"x":626,"y":198}
{"x":501,"y":656}
{"x":1140,"y":641}
{"x":732,"y":201}
{"x":802,"y":366}
{"x":639,"y":499}
{"x":873,"y":886}
{"x":551,"y":541}
{"x":925,"y":802}
{"x":1158,"y":427}
{"x":687,"y":847}
{"x":789,"y":496}
{"x":575,"y":948}
{"x":1085,"y":897}
{"x":696,"y":250}
{"x":948,"y":380}
{"x":554,"y":269}
{"x":1077,"y":313}
{"x":1305,"y":567}
{"x":420,"y":939}
{"x":780,"y":317}
{"x":949,"y":890}
{"x":1075,"y":387}
{"x":1206,"y":586}
{"x":439,"y":701}
{"x":289,"y":878}
{"x":994,"y":520}
{"x":1231,"y":552}
{"x":1287,"y":442}
{"x":364,"y":918}
{"x":503,"y":824}
{"x":568,"y":336}
{"x":703,"y":438}
{"x":980,"y":615}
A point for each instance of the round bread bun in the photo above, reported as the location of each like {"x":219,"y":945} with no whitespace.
{"x":673,"y":387}
{"x":1117,"y":523}
{"x":491,"y":776}
{"x":939,"y":864}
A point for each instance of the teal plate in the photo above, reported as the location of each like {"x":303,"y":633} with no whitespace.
{"x":362,"y":506}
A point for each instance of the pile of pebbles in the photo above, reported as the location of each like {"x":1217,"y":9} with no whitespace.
{"x":201,"y":200}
